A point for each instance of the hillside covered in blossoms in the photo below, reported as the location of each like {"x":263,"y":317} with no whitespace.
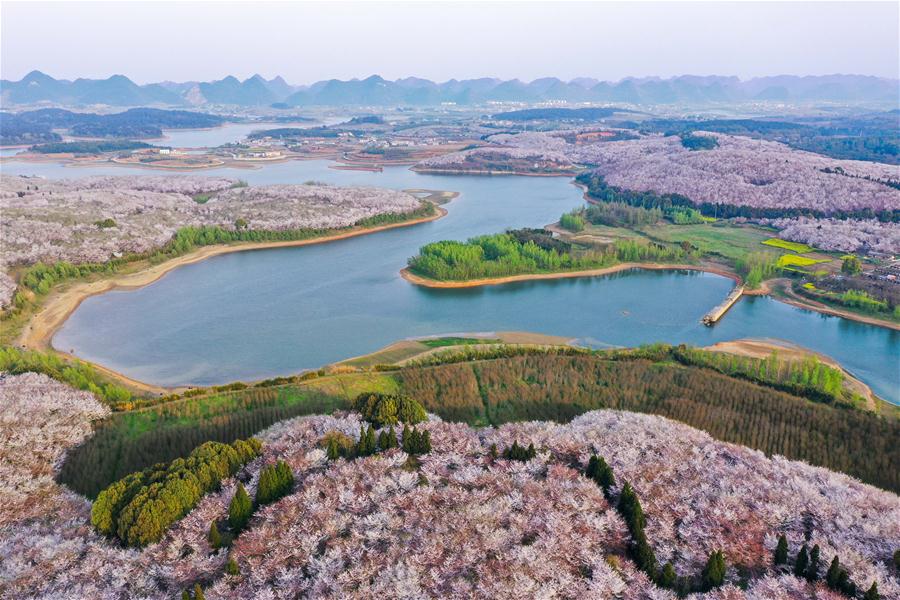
{"x":764,"y":177}
{"x":465,"y":519}
{"x":96,"y":219}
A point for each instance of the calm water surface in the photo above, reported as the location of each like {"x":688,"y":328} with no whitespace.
{"x":251,"y":315}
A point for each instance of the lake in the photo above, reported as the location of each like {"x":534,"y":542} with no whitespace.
{"x":259,"y":314}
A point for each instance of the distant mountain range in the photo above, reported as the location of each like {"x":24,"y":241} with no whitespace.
{"x":118,"y":90}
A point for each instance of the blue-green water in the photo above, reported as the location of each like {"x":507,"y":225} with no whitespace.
{"x":251,"y":315}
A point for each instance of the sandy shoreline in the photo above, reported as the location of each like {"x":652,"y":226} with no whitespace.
{"x":762,"y":348}
{"x":432,"y":283}
{"x":38,"y":333}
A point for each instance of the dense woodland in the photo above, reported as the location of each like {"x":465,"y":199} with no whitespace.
{"x":90,"y":147}
{"x":525,"y":251}
{"x":133,"y":123}
{"x":861,"y":137}
{"x":129,"y":442}
{"x":555,"y":387}
{"x":698,"y":142}
{"x":598,"y":189}
{"x":717,"y":392}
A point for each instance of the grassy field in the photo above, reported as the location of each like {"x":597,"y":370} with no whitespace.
{"x":457,"y":341}
{"x":726,"y":241}
{"x":786,"y":245}
{"x":792,"y":260}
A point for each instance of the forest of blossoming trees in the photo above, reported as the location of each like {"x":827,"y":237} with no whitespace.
{"x":460,"y":520}
{"x":760,"y":176}
{"x":95,"y":219}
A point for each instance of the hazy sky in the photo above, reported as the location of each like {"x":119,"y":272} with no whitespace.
{"x":305,"y":42}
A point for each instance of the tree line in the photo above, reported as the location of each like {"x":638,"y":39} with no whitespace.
{"x":558,"y":386}
{"x":598,"y":189}
{"x":129,"y":442}
{"x":41,"y":277}
{"x":507,"y":254}
{"x":806,"y":565}
{"x":78,"y":374}
{"x":139,"y":508}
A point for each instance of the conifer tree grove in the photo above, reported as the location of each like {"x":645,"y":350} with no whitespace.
{"x":275,"y":482}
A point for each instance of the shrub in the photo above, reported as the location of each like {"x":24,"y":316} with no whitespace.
{"x":851,"y":265}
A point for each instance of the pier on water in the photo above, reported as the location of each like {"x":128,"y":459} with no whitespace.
{"x":716,"y":313}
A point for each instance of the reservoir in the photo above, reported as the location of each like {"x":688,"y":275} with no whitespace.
{"x":258,"y":314}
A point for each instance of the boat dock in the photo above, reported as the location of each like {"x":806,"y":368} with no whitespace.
{"x":716,"y":313}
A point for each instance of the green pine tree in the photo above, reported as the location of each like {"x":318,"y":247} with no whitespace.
{"x":667,"y":577}
{"x":812,"y":571}
{"x":391,"y":437}
{"x":592,"y":467}
{"x":240,"y":509}
{"x":834,"y":571}
{"x":872,"y":594}
{"x":644,"y":556}
{"x":605,"y":478}
{"x":198,"y":592}
{"x":714,"y":572}
{"x":802,"y":562}
{"x":844,"y":584}
{"x":631,"y":511}
{"x":361,"y":444}
{"x":781,"y":551}
{"x":215,"y":539}
{"x":185,"y":595}
{"x":333,"y":451}
{"x":231,"y":567}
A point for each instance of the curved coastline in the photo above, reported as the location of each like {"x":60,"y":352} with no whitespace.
{"x":38,"y":333}
{"x":434,"y":283}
